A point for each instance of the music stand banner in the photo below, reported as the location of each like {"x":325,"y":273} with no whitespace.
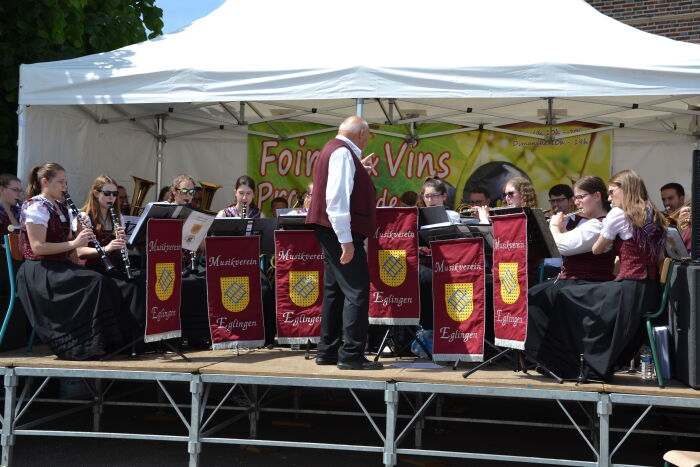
{"x":163,"y":279}
{"x":392,"y":254}
{"x":234,"y":294}
{"x":459,"y":300}
{"x":299,"y":286}
{"x":510,"y":280}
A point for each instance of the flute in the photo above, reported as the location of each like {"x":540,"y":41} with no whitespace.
{"x":571,"y":214}
{"x":100,"y":251}
{"x":124,"y":252}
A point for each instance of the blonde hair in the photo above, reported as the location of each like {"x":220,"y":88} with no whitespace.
{"x":176,"y":183}
{"x":524,"y":187}
{"x":635,"y":199}
{"x":92,"y":206}
{"x":48,"y":171}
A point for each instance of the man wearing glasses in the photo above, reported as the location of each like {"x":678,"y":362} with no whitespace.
{"x":561,"y":199}
{"x":10,"y":195}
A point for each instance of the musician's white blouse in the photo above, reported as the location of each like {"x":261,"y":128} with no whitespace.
{"x":38,"y":213}
{"x":616,"y":223}
{"x":341,"y":176}
{"x":579,"y":240}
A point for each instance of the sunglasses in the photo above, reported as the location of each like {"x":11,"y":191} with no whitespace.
{"x":506,"y":194}
{"x":187,"y":191}
{"x":580,"y":197}
{"x":109,"y":193}
{"x":612,"y":190}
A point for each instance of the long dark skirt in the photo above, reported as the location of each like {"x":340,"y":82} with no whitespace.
{"x":540,"y":304}
{"x":133,"y":300}
{"x":602,"y":322}
{"x":74,"y":310}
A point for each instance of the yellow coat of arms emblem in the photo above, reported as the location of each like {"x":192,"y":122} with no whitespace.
{"x":392,"y":267}
{"x":303,"y":288}
{"x":459,"y":300}
{"x":165,"y":280}
{"x":510,"y":285}
{"x":235,"y":293}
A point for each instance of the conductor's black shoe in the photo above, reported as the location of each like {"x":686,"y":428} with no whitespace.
{"x":326,"y":361}
{"x":360,"y":365}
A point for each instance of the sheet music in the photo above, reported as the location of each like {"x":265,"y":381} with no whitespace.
{"x":195,"y":229}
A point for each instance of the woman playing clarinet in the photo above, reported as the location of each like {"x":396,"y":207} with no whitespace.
{"x":244,"y":205}
{"x":74,"y":310}
{"x":602,"y":321}
{"x":579,"y":264}
{"x":97,"y":215}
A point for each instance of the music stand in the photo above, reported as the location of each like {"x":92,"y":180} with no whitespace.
{"x":293,"y":222}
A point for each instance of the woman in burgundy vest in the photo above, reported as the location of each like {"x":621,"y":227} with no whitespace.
{"x":602,"y":321}
{"x":74,"y":310}
{"x":95,"y":213}
{"x":579,"y":266}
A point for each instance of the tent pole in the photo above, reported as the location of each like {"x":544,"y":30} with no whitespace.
{"x":160,"y":120}
{"x":360,"y":106}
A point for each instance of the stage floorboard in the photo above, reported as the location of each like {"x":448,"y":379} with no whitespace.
{"x":282,"y":362}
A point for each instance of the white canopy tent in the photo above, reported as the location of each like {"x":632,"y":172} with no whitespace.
{"x":183,"y":102}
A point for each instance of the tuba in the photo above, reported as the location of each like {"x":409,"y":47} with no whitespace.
{"x":208,"y":192}
{"x":141,"y":187}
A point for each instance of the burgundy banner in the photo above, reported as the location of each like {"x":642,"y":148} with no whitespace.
{"x":510,"y":280}
{"x":163,"y":279}
{"x":299,"y":285}
{"x":392,"y":254}
{"x":458,"y":299}
{"x":234,"y":295}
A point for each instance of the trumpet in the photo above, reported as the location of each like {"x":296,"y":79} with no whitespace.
{"x":100,"y":251}
{"x":124,"y":252}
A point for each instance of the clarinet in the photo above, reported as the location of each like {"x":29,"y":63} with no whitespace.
{"x":244,"y":210}
{"x":124,"y":252}
{"x":103,"y":256}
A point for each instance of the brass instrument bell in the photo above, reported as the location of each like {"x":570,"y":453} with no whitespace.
{"x":208,"y":191}
{"x":141,"y":187}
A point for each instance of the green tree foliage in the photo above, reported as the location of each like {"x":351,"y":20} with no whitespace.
{"x":34,"y":31}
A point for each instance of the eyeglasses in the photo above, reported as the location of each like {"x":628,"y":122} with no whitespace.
{"x":109,"y":193}
{"x":187,"y":191}
{"x":432,"y":195}
{"x":506,"y":194}
{"x":612,"y":190}
{"x":580,"y":197}
{"x":558,"y":200}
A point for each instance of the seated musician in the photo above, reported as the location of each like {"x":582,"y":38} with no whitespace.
{"x":408,"y":199}
{"x":123,"y":200}
{"x":305,"y":200}
{"x":244,"y":207}
{"x":74,"y":310}
{"x":433,"y":192}
{"x":96,"y":214}
{"x":602,"y":321}
{"x":561,"y":199}
{"x":244,"y":204}
{"x":517,"y":192}
{"x":10,"y":195}
{"x":579,"y":264}
{"x":278,"y":203}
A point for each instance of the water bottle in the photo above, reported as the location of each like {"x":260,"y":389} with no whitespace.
{"x":647,"y":362}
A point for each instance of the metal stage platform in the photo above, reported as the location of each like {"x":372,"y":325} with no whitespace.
{"x":216,"y":389}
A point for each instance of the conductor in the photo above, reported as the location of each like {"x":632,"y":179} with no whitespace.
{"x":343,"y":211}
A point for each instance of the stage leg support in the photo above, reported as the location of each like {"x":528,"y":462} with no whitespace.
{"x":8,"y":421}
{"x":254,"y":411}
{"x":98,"y":406}
{"x":604,"y":412}
{"x":194,"y":446}
{"x":420,"y":423}
{"x":391,"y":398}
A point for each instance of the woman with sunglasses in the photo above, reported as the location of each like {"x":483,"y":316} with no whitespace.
{"x":95,"y":213}
{"x":579,"y":265}
{"x":182,"y":190}
{"x":602,"y":321}
{"x":517,"y":192}
{"x":244,"y":192}
{"x":74,"y":310}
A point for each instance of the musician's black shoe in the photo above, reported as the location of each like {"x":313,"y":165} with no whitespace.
{"x":363,"y":364}
{"x":326,"y":360}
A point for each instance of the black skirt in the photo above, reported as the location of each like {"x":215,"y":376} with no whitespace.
{"x":74,"y":310}
{"x":601,"y":321}
{"x":133,"y":300}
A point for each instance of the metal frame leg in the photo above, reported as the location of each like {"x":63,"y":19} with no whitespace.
{"x":604,"y":411}
{"x":391,"y":398}
{"x":8,"y":437}
{"x":194,"y":446}
{"x":254,"y":412}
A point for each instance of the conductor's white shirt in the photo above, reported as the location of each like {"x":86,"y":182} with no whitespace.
{"x":341,"y":177}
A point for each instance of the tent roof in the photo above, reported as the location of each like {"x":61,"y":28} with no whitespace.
{"x":281,"y":50}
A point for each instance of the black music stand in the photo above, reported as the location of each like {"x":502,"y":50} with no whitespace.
{"x":539,"y":239}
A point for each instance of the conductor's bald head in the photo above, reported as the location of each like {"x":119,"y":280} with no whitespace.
{"x":356,"y":130}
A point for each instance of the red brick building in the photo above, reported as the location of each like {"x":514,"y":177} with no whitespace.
{"x":679,"y":20}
